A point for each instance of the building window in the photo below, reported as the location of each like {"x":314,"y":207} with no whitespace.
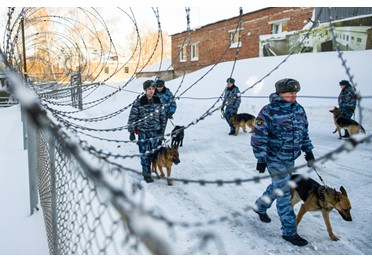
{"x":194,"y":50}
{"x":359,"y":41}
{"x":183,"y":54}
{"x":107,"y":70}
{"x":126,"y":70}
{"x":234,"y":38}
{"x":279,"y":26}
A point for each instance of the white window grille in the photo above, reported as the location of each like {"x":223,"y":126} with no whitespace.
{"x":234,"y":38}
{"x":183,"y":54}
{"x":194,"y":51}
{"x":279,"y":26}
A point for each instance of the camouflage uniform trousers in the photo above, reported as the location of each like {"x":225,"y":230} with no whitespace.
{"x":146,"y":148}
{"x":229,"y":112}
{"x":283,"y":206}
{"x":348,"y":115}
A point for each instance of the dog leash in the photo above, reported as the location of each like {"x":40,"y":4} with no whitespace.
{"x":170,"y":120}
{"x":321,"y":179}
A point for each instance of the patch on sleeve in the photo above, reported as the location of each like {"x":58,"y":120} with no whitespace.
{"x":259,"y":121}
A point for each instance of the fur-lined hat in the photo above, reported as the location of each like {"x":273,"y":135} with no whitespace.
{"x":148,"y":83}
{"x":344,"y":83}
{"x":160,"y":82}
{"x":287,"y":85}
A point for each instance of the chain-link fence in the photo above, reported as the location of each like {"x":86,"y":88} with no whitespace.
{"x":78,"y":220}
{"x":84,"y":210}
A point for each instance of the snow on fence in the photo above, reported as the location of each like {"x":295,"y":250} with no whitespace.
{"x":84,"y":211}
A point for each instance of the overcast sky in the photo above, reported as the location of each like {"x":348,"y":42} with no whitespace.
{"x":172,"y":13}
{"x":173,"y":19}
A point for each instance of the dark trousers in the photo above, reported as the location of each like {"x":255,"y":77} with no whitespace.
{"x":229,"y":112}
{"x":148,"y":143}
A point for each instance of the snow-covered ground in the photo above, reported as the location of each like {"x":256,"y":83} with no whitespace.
{"x":20,"y":233}
{"x":209,"y":154}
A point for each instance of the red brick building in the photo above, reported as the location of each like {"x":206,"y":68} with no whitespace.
{"x":205,"y":45}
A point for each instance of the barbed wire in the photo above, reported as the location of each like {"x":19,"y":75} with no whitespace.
{"x":343,"y":62}
{"x":209,"y":112}
{"x":98,"y":178}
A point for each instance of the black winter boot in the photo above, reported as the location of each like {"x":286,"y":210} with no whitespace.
{"x":263,"y":217}
{"x":296,"y":240}
{"x":148,"y":178}
{"x":347,"y":135}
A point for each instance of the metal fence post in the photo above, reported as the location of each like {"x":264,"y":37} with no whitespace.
{"x":76,"y":92}
{"x":53,"y":191}
{"x":24,"y":125}
{"x":32,"y":164}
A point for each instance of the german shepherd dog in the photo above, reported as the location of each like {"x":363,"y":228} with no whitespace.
{"x":320,"y":198}
{"x":353,"y":127}
{"x":165,"y":157}
{"x":177,"y":135}
{"x":242,"y":120}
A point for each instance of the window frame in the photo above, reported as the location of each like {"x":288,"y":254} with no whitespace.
{"x":183,"y":53}
{"x":277,"y":25}
{"x":194,"y":51}
{"x":234,"y":37}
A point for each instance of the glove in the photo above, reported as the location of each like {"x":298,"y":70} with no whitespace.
{"x":170,"y":116}
{"x":160,"y":132}
{"x":309,"y":157}
{"x":261,"y":167}
{"x":132,"y":136}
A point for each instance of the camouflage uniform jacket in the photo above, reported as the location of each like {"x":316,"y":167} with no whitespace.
{"x":347,"y":101}
{"x":232,"y":98}
{"x":281,"y":131}
{"x":146,"y":115}
{"x":166,"y":97}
